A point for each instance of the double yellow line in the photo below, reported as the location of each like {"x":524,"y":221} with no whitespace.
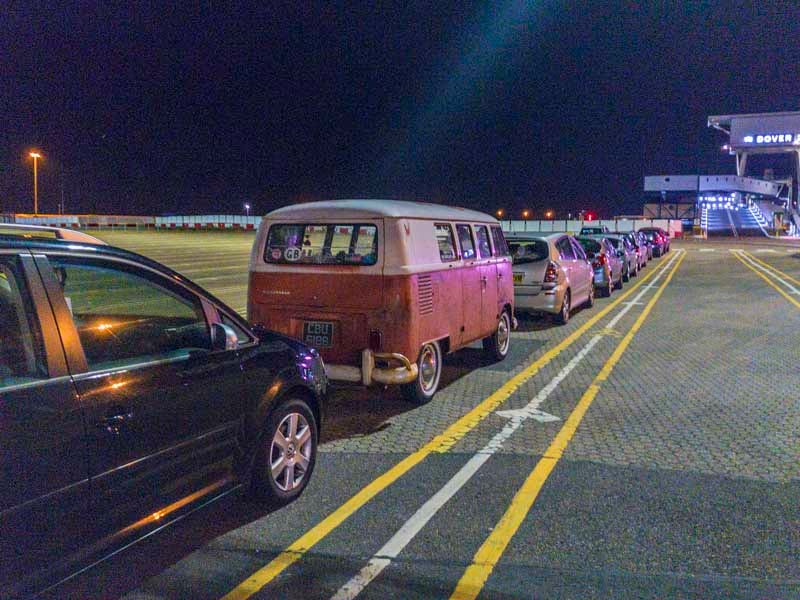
{"x":487,"y":556}
{"x":739,"y":255}
{"x":440,"y":443}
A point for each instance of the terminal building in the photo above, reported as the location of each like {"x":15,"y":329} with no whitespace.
{"x":760,"y":200}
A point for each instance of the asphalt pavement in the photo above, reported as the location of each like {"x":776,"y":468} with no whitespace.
{"x":648,"y":449}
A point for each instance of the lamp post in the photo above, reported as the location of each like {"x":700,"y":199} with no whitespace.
{"x":35,"y":156}
{"x":549,"y":214}
{"x":499,"y":212}
{"x":525,"y":214}
{"x":247,"y":209}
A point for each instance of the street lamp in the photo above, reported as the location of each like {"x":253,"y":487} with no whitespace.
{"x":526,"y":213}
{"x":35,"y":156}
{"x":549,"y":214}
{"x":499,"y":212}
{"x":247,"y":209}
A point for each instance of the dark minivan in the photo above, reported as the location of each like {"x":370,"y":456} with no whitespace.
{"x":129,"y":395}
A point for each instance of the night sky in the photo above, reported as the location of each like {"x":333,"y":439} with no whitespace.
{"x":563,"y":105}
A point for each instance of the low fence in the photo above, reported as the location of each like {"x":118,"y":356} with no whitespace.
{"x":208,"y":222}
{"x":246,"y":223}
{"x":674,"y":226}
{"x":236,"y":222}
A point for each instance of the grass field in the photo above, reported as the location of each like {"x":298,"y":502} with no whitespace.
{"x":216,"y":260}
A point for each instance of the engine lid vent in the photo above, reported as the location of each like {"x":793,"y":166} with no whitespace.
{"x":425,"y":286}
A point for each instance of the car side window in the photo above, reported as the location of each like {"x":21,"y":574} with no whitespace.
{"x":446,"y":241}
{"x":484,"y":248}
{"x":465,"y":239}
{"x":21,"y":348}
{"x":126,"y":316}
{"x":241,"y":334}
{"x":578,"y":249}
{"x":500,"y":246}
{"x":565,"y":249}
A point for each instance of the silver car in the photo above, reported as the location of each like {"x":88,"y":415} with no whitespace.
{"x":627,"y":253}
{"x":551,"y":274}
{"x":606,"y":263}
{"x":641,"y":249}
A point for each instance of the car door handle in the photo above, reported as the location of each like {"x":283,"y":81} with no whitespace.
{"x":116,"y":420}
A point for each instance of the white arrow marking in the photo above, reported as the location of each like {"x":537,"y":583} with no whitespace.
{"x":383,"y":557}
{"x":524,"y":413}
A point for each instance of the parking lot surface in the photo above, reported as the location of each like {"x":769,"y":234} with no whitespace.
{"x":647,"y":449}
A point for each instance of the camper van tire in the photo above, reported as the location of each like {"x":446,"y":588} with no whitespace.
{"x":422,"y":389}
{"x":498,"y":344}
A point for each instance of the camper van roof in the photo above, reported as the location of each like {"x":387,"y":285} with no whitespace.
{"x":372,"y":209}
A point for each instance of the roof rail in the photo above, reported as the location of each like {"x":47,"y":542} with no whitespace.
{"x":53,"y":233}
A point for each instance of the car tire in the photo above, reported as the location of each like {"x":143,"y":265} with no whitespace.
{"x":562,"y":318}
{"x":618,"y":285}
{"x":429,"y":373}
{"x":286,"y":454}
{"x":607,"y":289}
{"x":626,"y":276}
{"x":590,"y":300}
{"x":498,"y":344}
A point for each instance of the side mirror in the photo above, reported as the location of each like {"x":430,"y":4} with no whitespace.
{"x":223,"y":337}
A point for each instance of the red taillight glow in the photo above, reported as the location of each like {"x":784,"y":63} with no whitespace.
{"x":599,"y":261}
{"x":551,"y":273}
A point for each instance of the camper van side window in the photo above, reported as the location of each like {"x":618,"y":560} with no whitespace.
{"x":500,"y":246}
{"x":484,"y":249}
{"x":465,"y":239}
{"x":446,"y":241}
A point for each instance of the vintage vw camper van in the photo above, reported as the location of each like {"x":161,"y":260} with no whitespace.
{"x":382,"y":288}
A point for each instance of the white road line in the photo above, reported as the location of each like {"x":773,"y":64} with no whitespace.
{"x":707,"y":250}
{"x":770,"y":272}
{"x":391,"y":549}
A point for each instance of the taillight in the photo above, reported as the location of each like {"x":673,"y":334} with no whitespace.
{"x":375,"y":340}
{"x":551,"y":273}
{"x":599,"y":261}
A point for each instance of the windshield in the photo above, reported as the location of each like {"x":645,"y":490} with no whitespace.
{"x":591,"y":246}
{"x":326,"y":244}
{"x":528,"y":251}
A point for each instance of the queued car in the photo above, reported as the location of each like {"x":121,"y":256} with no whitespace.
{"x":647,"y":244}
{"x":551,"y":274}
{"x":607,"y":265}
{"x":384,"y":288}
{"x":639,"y":246}
{"x":129,"y":395}
{"x":658,"y":238}
{"x":626,"y":251}
{"x":594,"y":230}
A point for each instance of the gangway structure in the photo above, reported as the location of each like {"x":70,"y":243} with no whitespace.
{"x":747,"y":203}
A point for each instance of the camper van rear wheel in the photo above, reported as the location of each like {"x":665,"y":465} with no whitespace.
{"x":497,"y":344}
{"x":429,"y":367}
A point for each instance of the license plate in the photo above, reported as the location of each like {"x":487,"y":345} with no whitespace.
{"x":518,"y":277}
{"x":318,"y":334}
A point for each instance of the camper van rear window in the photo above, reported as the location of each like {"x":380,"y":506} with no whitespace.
{"x":324,"y":244}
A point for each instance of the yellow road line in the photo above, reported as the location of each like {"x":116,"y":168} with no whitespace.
{"x":767,"y":279}
{"x":485,"y":559}
{"x":441,"y":443}
{"x":772,"y":268}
